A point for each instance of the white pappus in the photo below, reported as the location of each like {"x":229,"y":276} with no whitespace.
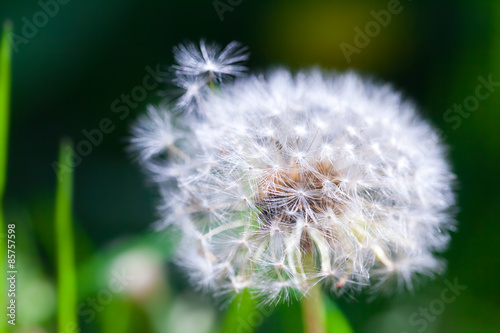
{"x":281,"y":181}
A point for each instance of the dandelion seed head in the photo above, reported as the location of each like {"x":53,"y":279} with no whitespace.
{"x":291,"y":180}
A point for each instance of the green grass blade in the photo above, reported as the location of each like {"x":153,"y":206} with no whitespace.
{"x":66,"y":284}
{"x":5,"y":54}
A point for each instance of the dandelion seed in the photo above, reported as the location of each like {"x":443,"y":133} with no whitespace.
{"x":194,"y":91}
{"x":152,"y":134}
{"x":208,"y":62}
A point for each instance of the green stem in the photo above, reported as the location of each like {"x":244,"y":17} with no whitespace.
{"x":5,"y":54}
{"x":313,"y":311}
{"x":66,"y":276}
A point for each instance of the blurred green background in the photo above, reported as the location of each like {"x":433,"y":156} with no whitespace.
{"x":68,"y":72}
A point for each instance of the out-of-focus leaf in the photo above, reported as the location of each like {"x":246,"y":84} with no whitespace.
{"x":94,"y":273}
{"x":239,"y":315}
{"x":335,"y":320}
{"x":290,"y":317}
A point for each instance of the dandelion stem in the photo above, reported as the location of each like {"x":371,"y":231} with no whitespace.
{"x":319,"y":314}
{"x":313,"y":312}
{"x":313,"y":309}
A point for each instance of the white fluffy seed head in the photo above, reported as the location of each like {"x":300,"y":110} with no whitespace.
{"x":289,"y":180}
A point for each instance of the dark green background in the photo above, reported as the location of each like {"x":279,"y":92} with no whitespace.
{"x":67,"y":76}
